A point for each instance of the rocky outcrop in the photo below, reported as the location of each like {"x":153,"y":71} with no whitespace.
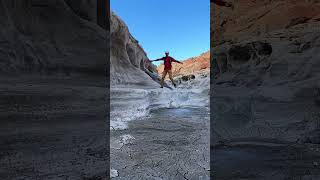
{"x":50,"y":37}
{"x":286,"y":80}
{"x":265,"y":91}
{"x":190,"y":66}
{"x":257,"y":18}
{"x":267,"y":83}
{"x":129,"y":62}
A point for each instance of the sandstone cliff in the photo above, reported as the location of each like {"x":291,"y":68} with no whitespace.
{"x":129,"y":64}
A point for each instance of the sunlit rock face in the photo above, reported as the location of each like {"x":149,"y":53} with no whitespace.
{"x":129,"y":62}
{"x":135,"y":88}
{"x":266,"y":70}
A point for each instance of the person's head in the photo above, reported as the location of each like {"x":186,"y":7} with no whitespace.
{"x":167,"y":53}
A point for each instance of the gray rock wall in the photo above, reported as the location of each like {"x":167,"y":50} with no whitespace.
{"x":268,"y":88}
{"x":51,"y":37}
{"x":53,"y":68}
{"x":129,"y":62}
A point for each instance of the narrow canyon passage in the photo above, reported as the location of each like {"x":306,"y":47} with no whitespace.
{"x":157,"y":133}
{"x":170,"y":143}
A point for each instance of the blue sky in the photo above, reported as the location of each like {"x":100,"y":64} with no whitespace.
{"x":180,"y":26}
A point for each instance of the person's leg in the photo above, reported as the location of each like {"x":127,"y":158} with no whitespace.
{"x":164,"y":73}
{"x":170,"y":76}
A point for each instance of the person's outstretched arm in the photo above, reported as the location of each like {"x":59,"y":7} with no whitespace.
{"x":176,"y":61}
{"x":157,"y":59}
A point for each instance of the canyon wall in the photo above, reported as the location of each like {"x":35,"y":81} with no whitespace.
{"x":51,"y":37}
{"x":258,"y":18}
{"x":266,"y":72}
{"x":53,"y":66}
{"x":129,"y":64}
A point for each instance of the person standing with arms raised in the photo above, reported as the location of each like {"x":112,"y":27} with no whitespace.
{"x":167,"y":67}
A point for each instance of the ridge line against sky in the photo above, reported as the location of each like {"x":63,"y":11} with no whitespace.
{"x":181,"y":26}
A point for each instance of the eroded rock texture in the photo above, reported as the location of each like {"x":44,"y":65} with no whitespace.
{"x":280,"y":68}
{"x":257,"y":18}
{"x":266,"y":72}
{"x":129,"y":62}
{"x":53,"y":56}
{"x":49,"y":37}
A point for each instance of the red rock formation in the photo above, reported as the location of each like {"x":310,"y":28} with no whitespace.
{"x":257,"y":18}
{"x":190,"y":66}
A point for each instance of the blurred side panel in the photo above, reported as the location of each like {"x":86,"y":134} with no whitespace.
{"x":265,"y":89}
{"x":53,"y":83}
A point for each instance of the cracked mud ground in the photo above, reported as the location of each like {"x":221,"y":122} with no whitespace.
{"x":168,"y":144}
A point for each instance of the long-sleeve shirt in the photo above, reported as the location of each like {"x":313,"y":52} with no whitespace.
{"x":167,"y":62}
